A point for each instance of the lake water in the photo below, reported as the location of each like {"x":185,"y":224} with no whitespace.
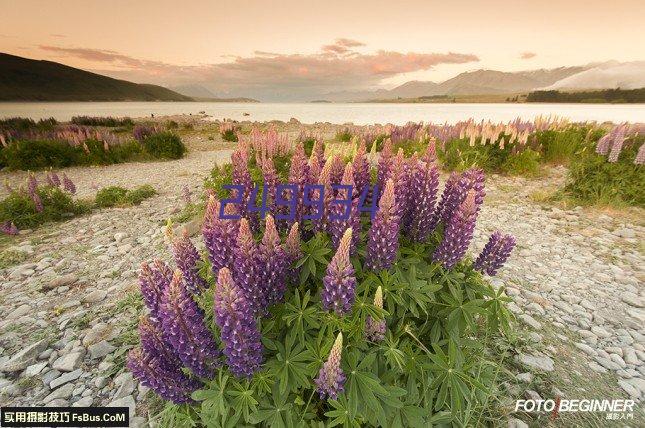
{"x":358,"y":113}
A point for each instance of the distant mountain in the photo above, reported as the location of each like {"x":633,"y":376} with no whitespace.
{"x":479,"y":82}
{"x":609,"y":75}
{"x":23,"y":79}
{"x":194,"y":91}
{"x":482,"y":82}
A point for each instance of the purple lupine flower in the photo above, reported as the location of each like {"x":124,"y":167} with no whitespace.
{"x":446,"y":196}
{"x":383,"y":236}
{"x":331,"y":378}
{"x":219,"y":235}
{"x":472,"y":179}
{"x":186,"y":257}
{"x":339,"y":281}
{"x":238,"y":328}
{"x":384,"y":164}
{"x":375,"y":329}
{"x":245,"y":266}
{"x":241,"y":175}
{"x":272,"y":265}
{"x":618,"y":141}
{"x":186,"y":195}
{"x":68,"y":184}
{"x":185,"y":330}
{"x":458,"y":233}
{"x":293,"y":252}
{"x":640,"y":156}
{"x":153,"y":343}
{"x":298,"y":175}
{"x":424,"y":185}
{"x":399,"y":174}
{"x":338,"y":227}
{"x":321,"y":223}
{"x":9,"y":228}
{"x":495,"y":253}
{"x":154,"y":278}
{"x":173,"y":386}
{"x":361,"y":168}
{"x":32,"y":185}
{"x":38,"y":202}
{"x":53,"y":179}
{"x":604,"y":144}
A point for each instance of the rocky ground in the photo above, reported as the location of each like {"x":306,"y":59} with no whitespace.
{"x":68,"y":292}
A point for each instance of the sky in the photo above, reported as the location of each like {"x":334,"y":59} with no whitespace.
{"x":245,"y":47}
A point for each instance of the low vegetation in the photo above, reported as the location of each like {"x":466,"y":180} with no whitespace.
{"x":616,"y":96}
{"x":118,"y":196}
{"x":29,"y":145}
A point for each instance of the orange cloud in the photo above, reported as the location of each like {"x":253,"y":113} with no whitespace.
{"x":527,"y":55}
{"x":335,"y":67}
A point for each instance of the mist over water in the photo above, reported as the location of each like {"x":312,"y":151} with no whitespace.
{"x":357,"y":113}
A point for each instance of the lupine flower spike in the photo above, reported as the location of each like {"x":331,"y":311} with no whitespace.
{"x":174,"y":386}
{"x":9,"y":228}
{"x":495,"y":253}
{"x":375,"y":329}
{"x":245,"y":266}
{"x":331,"y":378}
{"x":458,"y":233}
{"x":339,"y":282}
{"x":154,"y":278}
{"x":271,"y":256}
{"x":383,"y":236}
{"x":293,"y":252}
{"x":68,"y":184}
{"x":186,"y":257}
{"x":239,"y":332}
{"x":184,"y":329}
{"x":219,"y":234}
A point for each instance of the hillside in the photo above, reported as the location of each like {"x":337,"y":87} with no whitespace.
{"x":23,"y":79}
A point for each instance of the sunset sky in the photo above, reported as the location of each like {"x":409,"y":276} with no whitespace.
{"x":318,"y":45}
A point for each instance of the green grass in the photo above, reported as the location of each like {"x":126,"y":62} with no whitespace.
{"x":10,"y":258}
{"x":57,"y":205}
{"x":118,"y":196}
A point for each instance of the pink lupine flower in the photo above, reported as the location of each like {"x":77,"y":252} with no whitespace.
{"x":293,"y":252}
{"x":331,"y":378}
{"x":640,"y":156}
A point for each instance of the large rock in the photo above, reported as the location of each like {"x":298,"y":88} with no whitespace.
{"x":24,"y":358}
{"x":101,"y":349}
{"x":540,"y":362}
{"x":69,"y":362}
{"x":128,"y":402}
{"x":67,"y":377}
{"x":60,"y":281}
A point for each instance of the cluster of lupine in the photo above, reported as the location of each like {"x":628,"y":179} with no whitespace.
{"x":612,"y":143}
{"x":74,"y":135}
{"x":408,"y":132}
{"x":267,"y":145}
{"x":140,"y":132}
{"x":254,"y":275}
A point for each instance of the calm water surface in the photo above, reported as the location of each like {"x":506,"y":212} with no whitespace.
{"x":358,"y":113}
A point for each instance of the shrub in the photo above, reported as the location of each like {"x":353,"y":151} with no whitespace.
{"x":21,"y":210}
{"x":36,"y":154}
{"x":118,"y":196}
{"x":102,"y":121}
{"x":559,"y":147}
{"x":22,"y":124}
{"x":378,"y":325}
{"x":344,"y":135}
{"x":526,"y":163}
{"x":228,"y":131}
{"x":594,"y":180}
{"x":164,"y":145}
{"x":171,"y":124}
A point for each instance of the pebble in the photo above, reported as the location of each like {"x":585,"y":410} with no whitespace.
{"x":69,"y":362}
